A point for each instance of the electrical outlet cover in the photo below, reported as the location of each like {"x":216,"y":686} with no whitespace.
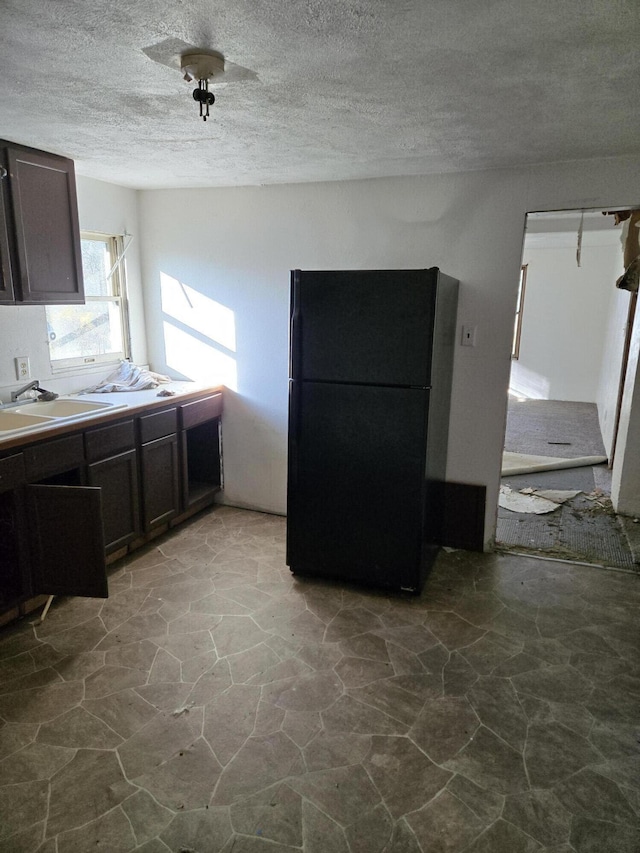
{"x":23,"y":368}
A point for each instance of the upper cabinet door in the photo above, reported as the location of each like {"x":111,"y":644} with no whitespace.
{"x":48,"y":262}
{"x":6,"y":283}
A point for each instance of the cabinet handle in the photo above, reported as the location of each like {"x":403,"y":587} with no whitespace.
{"x":3,"y":172}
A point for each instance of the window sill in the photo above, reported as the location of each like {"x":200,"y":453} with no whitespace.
{"x":71,"y":366}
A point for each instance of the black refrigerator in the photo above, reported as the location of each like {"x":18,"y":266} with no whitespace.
{"x":370,"y":365}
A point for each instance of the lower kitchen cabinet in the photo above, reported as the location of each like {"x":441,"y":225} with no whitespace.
{"x":159,"y":467}
{"x":117,"y":478}
{"x":201,"y":475}
{"x":51,"y":539}
{"x":113,"y":467}
{"x":64,"y":521}
{"x":200,"y":450}
{"x":160,"y":493}
{"x":67,"y":503}
{"x":14,"y":562}
{"x":66,"y":558}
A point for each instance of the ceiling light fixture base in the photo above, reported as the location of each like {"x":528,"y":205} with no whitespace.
{"x":202,"y":65}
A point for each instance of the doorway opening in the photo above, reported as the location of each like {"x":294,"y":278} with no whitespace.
{"x":567,"y":371}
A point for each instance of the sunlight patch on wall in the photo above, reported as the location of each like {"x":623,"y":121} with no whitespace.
{"x":199,"y":312}
{"x":197,"y":360}
{"x":199,"y":334}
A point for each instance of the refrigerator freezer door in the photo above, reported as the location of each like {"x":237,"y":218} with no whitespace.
{"x":364,"y":326}
{"x":356,"y":483}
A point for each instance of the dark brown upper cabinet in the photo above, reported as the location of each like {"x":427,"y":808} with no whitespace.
{"x":41,"y":262}
{"x":6,"y":279}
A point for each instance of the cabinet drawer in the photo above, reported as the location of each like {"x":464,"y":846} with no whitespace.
{"x":158,"y":424}
{"x":11,"y":472}
{"x":103,"y":442}
{"x":62,"y":454}
{"x":192,"y":414}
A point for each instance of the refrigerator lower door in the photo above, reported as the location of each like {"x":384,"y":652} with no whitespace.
{"x":356,"y":483}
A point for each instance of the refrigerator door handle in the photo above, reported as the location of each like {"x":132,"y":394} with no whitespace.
{"x":294,"y":429}
{"x":295,"y":328}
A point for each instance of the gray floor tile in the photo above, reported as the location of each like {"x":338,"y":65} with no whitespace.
{"x":217,"y":703}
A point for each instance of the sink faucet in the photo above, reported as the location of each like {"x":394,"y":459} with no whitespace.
{"x":35,"y":384}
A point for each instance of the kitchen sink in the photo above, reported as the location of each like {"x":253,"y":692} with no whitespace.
{"x":14,"y":420}
{"x":61,"y":408}
{"x":31,"y":417}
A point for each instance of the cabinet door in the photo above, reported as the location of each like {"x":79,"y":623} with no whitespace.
{"x":160,"y":492}
{"x":45,"y":218}
{"x":66,"y":541}
{"x":15,"y":584}
{"x":6,"y":281}
{"x":14,"y":561}
{"x":117,"y":478}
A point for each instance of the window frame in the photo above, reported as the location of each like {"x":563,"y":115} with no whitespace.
{"x":117,"y":297}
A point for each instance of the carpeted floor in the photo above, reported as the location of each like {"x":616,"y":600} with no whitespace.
{"x":553,"y":428}
{"x":586,"y":528}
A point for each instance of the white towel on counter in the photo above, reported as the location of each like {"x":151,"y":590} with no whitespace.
{"x":128,"y":377}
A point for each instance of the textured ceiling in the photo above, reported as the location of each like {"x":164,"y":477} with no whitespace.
{"x":320,"y":89}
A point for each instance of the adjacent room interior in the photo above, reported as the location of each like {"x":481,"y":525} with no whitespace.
{"x":568,"y":367}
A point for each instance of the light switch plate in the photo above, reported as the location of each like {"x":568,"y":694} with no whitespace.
{"x":468,"y":336}
{"x":23,"y":368}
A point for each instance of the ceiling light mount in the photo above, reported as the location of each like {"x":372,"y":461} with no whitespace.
{"x":202,"y":66}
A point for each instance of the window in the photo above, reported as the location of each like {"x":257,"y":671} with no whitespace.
{"x":517,"y":329}
{"x":96,"y":332}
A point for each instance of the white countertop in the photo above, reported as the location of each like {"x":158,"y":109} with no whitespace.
{"x":137,"y":399}
{"x":120,"y":403}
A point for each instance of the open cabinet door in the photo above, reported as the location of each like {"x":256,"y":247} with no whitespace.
{"x":66,"y":541}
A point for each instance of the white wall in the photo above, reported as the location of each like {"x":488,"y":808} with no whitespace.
{"x":565,"y":315}
{"x":23,"y":328}
{"x":236,"y":246}
{"x":625,"y":490}
{"x":614,"y":327}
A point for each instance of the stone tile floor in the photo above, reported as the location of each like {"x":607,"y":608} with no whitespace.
{"x":216,"y":703}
